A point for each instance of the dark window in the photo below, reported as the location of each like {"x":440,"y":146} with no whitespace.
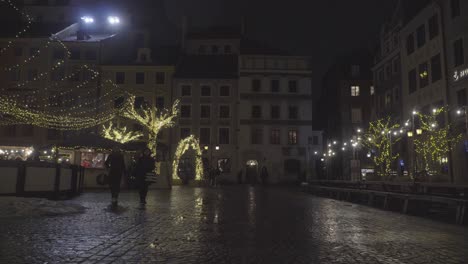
{"x":58,"y":54}
{"x":225,"y":90}
{"x":184,"y":133}
{"x":202,"y":49}
{"x":433,"y":26}
{"x":412,"y":81}
{"x":275,"y":137}
{"x":256,"y":111}
{"x":15,"y":75}
{"x":119,"y":102}
{"x":75,"y":54}
{"x":275,"y":112}
{"x":224,"y":136}
{"x":18,"y":52}
{"x":423,"y":75}
{"x":205,"y":111}
{"x":292,"y":137}
{"x":436,"y":68}
{"x":120,"y":77}
{"x":33,"y":51}
{"x":227,"y":49}
{"x":381,"y":75}
{"x":160,"y":78}
{"x":140,"y":78}
{"x":214,"y":49}
{"x":32,"y":74}
{"x":293,"y":112}
{"x":315,"y":140}
{"x":224,"y":111}
{"x":455,"y":8}
{"x":257,"y":136}
{"x":186,"y":90}
{"x":355,"y":71}
{"x":139,"y":102}
{"x":396,"y":65}
{"x":205,"y":90}
{"x":185,"y":111}
{"x":91,"y":55}
{"x":160,"y":102}
{"x":459,"y":55}
{"x":205,"y":135}
{"x":410,"y":44}
{"x":292,"y":86}
{"x":256,"y":85}
{"x":421,"y":35}
{"x":461,"y":98}
{"x":275,"y":85}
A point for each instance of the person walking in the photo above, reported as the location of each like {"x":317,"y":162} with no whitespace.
{"x":144,"y":165}
{"x":264,"y":175}
{"x":116,"y":165}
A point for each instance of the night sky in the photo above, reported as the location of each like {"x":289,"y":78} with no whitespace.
{"x":320,"y":29}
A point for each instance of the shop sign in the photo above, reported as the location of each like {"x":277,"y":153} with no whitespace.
{"x":458,"y":75}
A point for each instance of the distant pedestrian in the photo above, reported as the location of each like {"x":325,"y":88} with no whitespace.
{"x":239,"y":177}
{"x":144,"y":165}
{"x":264,"y":175}
{"x":116,"y":165}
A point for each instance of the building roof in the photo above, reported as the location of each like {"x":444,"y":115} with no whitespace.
{"x":207,"y":67}
{"x":36,"y":30}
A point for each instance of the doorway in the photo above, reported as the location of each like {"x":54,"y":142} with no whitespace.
{"x":251,"y":172}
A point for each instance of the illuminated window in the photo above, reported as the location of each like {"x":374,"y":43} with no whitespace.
{"x":423,"y":75}
{"x":292,"y":137}
{"x":355,"y":91}
{"x":372,"y":90}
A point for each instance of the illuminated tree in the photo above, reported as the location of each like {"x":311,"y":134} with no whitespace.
{"x":435,"y":141}
{"x":120,"y":135}
{"x":153,"y":119}
{"x":184,"y":146}
{"x":379,"y":138}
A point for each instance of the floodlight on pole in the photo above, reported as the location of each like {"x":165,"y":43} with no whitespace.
{"x":87,"y":19}
{"x":113,"y":20}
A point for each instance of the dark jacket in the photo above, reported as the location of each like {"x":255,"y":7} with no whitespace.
{"x":116,"y":165}
{"x":144,"y":165}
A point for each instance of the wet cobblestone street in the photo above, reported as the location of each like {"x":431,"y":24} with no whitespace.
{"x":237,"y":224}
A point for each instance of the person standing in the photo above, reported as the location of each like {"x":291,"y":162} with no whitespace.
{"x":264,"y":175}
{"x":116,"y":165}
{"x":144,"y":165}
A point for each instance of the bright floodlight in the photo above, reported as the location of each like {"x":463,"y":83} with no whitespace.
{"x":459,"y":112}
{"x":113,"y":20}
{"x":87,"y":19}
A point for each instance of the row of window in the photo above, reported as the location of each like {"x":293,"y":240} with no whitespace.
{"x":120,"y":77}
{"x":215,"y":49}
{"x":274,"y":86}
{"x":422,"y":74}
{"x":356,"y":90}
{"x":421,"y":36}
{"x":59,"y":53}
{"x":389,"y":70}
{"x":275,"y":112}
{"x":55,"y":75}
{"x":205,"y":111}
{"x":257,"y":136}
{"x":206,"y":90}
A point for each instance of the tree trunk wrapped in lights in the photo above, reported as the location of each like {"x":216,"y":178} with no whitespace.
{"x":120,"y":135}
{"x":435,"y":142}
{"x":378,"y":138}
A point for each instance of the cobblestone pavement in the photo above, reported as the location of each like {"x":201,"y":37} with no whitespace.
{"x":237,"y":224}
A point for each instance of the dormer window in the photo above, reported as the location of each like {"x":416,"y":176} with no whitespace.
{"x":144,"y":56}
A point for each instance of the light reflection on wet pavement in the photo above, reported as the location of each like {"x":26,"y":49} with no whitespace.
{"x":237,"y":224}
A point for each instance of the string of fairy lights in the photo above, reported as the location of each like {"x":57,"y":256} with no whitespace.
{"x":84,"y":108}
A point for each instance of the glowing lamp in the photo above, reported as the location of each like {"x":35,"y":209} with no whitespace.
{"x":410,"y":134}
{"x":113,"y":20}
{"x":419,"y":131}
{"x":217,"y":147}
{"x":87,"y":19}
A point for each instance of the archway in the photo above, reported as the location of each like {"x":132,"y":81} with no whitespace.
{"x":184,"y":146}
{"x":251,"y":171}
